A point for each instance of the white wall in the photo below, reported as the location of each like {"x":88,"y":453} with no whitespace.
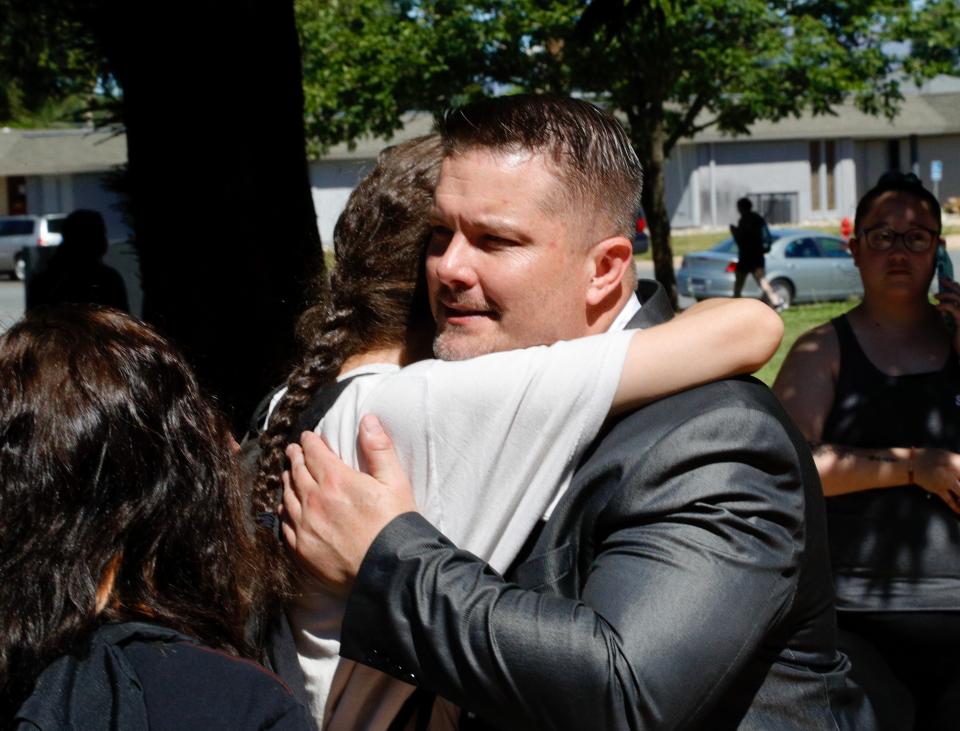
{"x":743,"y":167}
{"x":947,"y":150}
{"x":681,"y":186}
{"x":66,"y":193}
{"x":88,"y":192}
{"x":331,"y":182}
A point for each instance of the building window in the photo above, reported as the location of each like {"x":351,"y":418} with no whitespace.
{"x":823,"y":165}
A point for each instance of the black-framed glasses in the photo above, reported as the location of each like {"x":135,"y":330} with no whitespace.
{"x":917,"y":239}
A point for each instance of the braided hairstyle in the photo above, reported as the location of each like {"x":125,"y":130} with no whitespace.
{"x":377,"y":295}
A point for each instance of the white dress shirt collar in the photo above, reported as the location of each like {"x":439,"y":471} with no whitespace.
{"x":630,"y":308}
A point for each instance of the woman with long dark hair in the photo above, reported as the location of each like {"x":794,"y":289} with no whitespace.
{"x":129,"y":566}
{"x":514,"y":422}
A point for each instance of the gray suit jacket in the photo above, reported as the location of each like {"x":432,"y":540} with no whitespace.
{"x":682,"y":582}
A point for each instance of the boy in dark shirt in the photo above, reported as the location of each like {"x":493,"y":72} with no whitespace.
{"x":750,"y":234}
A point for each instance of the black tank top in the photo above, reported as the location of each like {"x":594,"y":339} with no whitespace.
{"x":893,"y":549}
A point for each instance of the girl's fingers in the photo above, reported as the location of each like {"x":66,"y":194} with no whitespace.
{"x":291,"y":501}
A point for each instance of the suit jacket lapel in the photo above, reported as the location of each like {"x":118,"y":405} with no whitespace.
{"x":654,"y":305}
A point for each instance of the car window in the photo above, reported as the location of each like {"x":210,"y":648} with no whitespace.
{"x":16,"y":227}
{"x":802,"y":249}
{"x":726,"y":246}
{"x":55,"y":225}
{"x":833,"y":248}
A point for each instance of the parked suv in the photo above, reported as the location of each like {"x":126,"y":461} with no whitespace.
{"x":19,"y":232}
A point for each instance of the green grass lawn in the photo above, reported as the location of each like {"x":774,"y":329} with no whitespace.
{"x":797,"y":320}
{"x":682,"y":243}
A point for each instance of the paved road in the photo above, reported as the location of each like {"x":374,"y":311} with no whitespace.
{"x":11,"y":303}
{"x":645,"y":271}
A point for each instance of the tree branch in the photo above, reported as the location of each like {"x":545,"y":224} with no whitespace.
{"x":680,"y":130}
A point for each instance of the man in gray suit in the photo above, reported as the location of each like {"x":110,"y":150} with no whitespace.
{"x":682,"y":580}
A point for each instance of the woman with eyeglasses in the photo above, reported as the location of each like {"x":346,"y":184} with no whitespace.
{"x":877,"y":394}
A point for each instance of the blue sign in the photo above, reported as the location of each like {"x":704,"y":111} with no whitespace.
{"x":936,"y":171}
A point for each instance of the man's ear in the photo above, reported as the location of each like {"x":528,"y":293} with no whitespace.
{"x":610,"y":261}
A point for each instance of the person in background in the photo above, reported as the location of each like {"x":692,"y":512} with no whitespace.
{"x":751,"y":236}
{"x":76,"y":273}
{"x":877,"y":393}
{"x":129,"y":565}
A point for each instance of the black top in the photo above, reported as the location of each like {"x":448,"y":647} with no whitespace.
{"x":749,"y":236}
{"x":138,"y":676}
{"x":896,"y":548}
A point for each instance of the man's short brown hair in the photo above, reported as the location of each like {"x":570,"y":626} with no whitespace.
{"x":590,"y":151}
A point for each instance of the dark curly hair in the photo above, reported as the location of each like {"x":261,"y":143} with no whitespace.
{"x":377,"y":295}
{"x":113,"y":464}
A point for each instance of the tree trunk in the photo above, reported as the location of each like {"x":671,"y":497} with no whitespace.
{"x":219,"y":185}
{"x":648,"y":139}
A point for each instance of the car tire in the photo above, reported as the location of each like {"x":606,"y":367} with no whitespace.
{"x":784,"y":290}
{"x":19,"y":268}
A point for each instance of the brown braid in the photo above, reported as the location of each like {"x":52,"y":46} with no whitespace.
{"x":377,"y":294}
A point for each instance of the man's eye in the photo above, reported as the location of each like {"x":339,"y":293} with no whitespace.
{"x":495,"y":240}
{"x":917,"y":236}
{"x":884,"y":235}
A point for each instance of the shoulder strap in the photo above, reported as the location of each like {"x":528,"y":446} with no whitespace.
{"x":318,"y":406}
{"x":313,"y":412}
{"x":851,"y":354}
{"x":258,"y":420}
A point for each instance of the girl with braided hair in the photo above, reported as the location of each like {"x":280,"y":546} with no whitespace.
{"x":516,"y":422}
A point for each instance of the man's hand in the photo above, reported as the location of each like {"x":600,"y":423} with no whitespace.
{"x":332,"y":513}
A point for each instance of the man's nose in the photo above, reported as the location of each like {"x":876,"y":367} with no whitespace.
{"x":454,"y":267}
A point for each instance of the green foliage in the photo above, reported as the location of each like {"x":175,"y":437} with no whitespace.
{"x":796,"y":321}
{"x":51,"y":68}
{"x":368,"y":62}
{"x":671,"y":68}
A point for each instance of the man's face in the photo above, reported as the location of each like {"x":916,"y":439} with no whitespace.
{"x":504,"y":271}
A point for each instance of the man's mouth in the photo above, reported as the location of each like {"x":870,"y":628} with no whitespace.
{"x":462,"y":314}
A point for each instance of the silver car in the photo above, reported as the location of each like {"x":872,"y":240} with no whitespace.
{"x":801,"y":266}
{"x":19,"y":232}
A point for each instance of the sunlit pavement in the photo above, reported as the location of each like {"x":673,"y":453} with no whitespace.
{"x":11,"y":303}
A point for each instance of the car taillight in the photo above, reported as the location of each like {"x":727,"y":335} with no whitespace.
{"x":39,"y":240}
{"x":731,"y":267}
{"x":641,"y":225}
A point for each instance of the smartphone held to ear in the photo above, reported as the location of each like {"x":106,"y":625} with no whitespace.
{"x":944,"y":266}
{"x":945,"y":271}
